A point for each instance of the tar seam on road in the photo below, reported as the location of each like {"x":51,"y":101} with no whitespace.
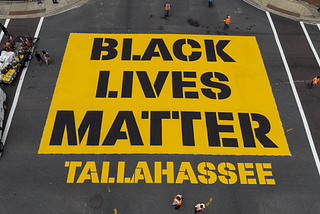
{"x":6,"y":25}
{"x":17,"y":94}
{"x":294,"y":90}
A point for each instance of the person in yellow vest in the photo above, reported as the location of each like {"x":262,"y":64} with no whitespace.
{"x":167,"y":8}
{"x":200,"y":207}
{"x":314,"y":82}
{"x":177,"y":201}
{"x":227,"y":22}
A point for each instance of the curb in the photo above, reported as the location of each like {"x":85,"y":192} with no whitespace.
{"x":287,"y":14}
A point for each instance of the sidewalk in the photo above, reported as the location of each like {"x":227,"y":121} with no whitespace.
{"x":31,"y":8}
{"x":293,"y":9}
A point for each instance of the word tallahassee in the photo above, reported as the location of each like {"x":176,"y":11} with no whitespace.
{"x":207,"y":173}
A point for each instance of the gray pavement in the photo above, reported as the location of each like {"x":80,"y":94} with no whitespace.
{"x":293,"y":9}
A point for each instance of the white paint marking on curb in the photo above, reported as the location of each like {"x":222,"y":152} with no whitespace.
{"x":295,"y":93}
{"x":17,"y":94}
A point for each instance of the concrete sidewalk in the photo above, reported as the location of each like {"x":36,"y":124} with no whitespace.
{"x":293,"y":9}
{"x":31,"y":8}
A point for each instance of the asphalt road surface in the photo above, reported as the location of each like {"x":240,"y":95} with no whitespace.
{"x":46,"y":183}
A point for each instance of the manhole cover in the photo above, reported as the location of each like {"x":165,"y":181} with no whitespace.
{"x":96,"y":201}
{"x":160,"y":27}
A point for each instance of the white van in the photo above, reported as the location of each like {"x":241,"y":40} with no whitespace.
{"x":3,"y":108}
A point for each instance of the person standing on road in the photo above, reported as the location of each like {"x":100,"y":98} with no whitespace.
{"x":167,"y":8}
{"x":227,"y":22}
{"x":4,"y":29}
{"x":210,"y":3}
{"x":177,"y":201}
{"x":46,"y":57}
{"x":38,"y":56}
{"x":200,"y":207}
{"x":314,"y":82}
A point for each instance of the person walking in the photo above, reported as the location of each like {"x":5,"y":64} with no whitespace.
{"x":314,"y":82}
{"x":46,"y":57}
{"x":177,"y":201}
{"x":167,"y":8}
{"x":227,"y":22}
{"x":200,"y":207}
{"x":210,"y":3}
{"x":38,"y":56}
{"x":4,"y":29}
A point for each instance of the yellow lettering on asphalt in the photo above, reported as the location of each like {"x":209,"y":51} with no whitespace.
{"x":105,"y":172}
{"x":208,"y":176}
{"x":142,"y":166}
{"x":72,"y":169}
{"x":89,"y":172}
{"x":262,"y":174}
{"x":158,"y":172}
{"x":244,"y":172}
{"x":120,"y":172}
{"x":186,"y":173}
{"x":228,"y":176}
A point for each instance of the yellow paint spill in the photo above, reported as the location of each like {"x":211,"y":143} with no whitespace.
{"x":207,"y":204}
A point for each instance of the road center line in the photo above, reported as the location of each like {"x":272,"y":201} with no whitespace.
{"x":6,"y":25}
{"x":17,"y":94}
{"x":295,"y":93}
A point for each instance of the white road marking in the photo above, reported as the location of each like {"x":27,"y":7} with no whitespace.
{"x":310,"y":43}
{"x":295,"y":93}
{"x":17,"y":94}
{"x":6,"y":25}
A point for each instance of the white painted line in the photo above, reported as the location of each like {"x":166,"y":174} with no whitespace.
{"x":6,"y":25}
{"x":318,"y":26}
{"x":310,"y":43}
{"x":295,"y":93}
{"x":17,"y":94}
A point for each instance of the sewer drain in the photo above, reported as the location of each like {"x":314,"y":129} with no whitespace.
{"x":96,"y":201}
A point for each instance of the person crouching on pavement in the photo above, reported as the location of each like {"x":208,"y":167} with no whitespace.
{"x":38,"y":56}
{"x":177,"y":201}
{"x":200,"y":207}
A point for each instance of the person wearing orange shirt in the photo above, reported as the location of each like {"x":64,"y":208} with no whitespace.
{"x":227,"y":22}
{"x":167,"y":8}
{"x":177,"y":201}
{"x":314,"y":82}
